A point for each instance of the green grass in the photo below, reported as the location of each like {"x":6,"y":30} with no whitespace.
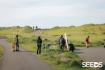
{"x":62,"y":61}
{"x":1,"y":51}
{"x":76,"y":35}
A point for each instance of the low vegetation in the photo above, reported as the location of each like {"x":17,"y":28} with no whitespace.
{"x":1,"y":51}
{"x":75,"y":34}
{"x":62,"y":61}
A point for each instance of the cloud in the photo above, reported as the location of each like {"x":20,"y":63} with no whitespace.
{"x":51,"y":12}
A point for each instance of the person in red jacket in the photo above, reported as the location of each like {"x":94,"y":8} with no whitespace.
{"x":87,"y":41}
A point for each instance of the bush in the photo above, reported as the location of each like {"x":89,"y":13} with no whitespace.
{"x":1,"y":51}
{"x":28,"y":29}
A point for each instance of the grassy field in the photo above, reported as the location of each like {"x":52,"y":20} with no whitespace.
{"x":1,"y":52}
{"x":75,"y":34}
{"x":78,"y":34}
{"x":61,"y":61}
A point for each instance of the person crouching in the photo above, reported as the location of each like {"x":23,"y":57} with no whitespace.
{"x":13,"y":46}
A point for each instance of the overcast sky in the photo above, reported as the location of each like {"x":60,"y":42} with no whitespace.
{"x":49,"y":13}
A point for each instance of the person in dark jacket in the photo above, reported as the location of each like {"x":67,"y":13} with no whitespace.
{"x":87,"y":41}
{"x":72,"y":47}
{"x":17,"y":43}
{"x":62,"y":43}
{"x":39,"y":44}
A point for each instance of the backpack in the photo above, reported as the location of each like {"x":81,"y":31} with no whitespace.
{"x":62,"y":41}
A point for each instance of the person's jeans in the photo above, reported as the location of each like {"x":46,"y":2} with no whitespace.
{"x":62,"y":47}
{"x":17,"y":47}
{"x":38,"y":49}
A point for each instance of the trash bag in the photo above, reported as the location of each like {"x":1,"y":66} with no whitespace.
{"x":71,"y":47}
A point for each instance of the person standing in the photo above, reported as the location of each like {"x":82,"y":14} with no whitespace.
{"x":87,"y":41}
{"x":39,"y":45}
{"x":62,"y":43}
{"x":17,"y":43}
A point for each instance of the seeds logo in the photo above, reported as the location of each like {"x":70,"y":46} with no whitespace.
{"x":92,"y":64}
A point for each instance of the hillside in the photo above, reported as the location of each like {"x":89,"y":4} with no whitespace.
{"x":75,"y":34}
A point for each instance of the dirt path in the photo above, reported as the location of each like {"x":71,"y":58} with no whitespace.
{"x":27,"y":60}
{"x":23,"y":60}
{"x":92,"y":54}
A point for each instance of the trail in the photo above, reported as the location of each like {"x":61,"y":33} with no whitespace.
{"x":23,"y":60}
{"x":27,"y":60}
{"x":91,"y":54}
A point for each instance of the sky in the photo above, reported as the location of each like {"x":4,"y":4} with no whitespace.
{"x":50,"y":13}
